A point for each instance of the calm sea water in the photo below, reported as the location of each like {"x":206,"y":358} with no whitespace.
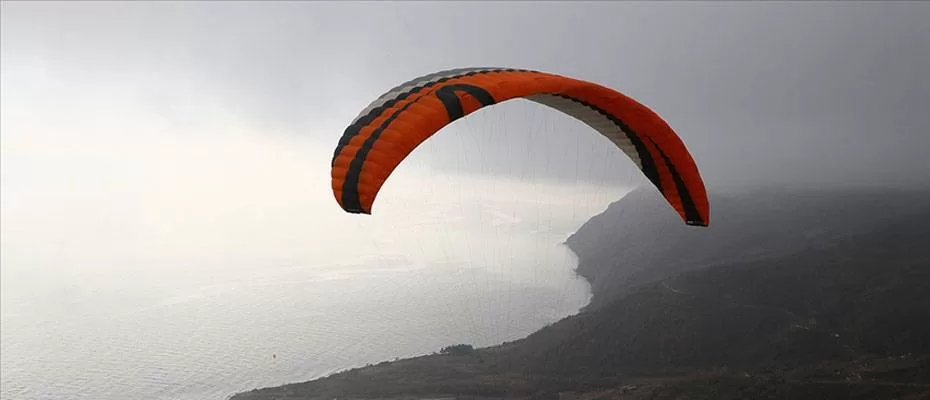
{"x":207,"y":328}
{"x":229,"y":333}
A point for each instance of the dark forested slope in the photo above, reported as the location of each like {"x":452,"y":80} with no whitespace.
{"x":639,"y":239}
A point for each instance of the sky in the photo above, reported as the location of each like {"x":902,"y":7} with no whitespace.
{"x":162,"y":118}
{"x":818,"y":93}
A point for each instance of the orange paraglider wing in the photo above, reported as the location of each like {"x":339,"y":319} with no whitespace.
{"x":392,"y":126}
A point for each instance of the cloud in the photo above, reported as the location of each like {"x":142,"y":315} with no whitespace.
{"x":776,"y":93}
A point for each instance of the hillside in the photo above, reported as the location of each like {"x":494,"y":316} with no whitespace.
{"x":865,"y":294}
{"x":638,"y":240}
{"x":836,"y":307}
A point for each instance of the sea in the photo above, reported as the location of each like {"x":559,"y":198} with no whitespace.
{"x":202,"y":308}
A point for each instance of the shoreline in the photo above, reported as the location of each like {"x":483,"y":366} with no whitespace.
{"x":678,"y":306}
{"x":576,"y":272}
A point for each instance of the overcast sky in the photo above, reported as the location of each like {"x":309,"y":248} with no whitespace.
{"x":793,"y":93}
{"x":158,"y":128}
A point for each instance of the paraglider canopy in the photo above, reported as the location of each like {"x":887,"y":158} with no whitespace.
{"x":393,"y":125}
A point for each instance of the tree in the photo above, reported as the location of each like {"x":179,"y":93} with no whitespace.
{"x":458,"y":350}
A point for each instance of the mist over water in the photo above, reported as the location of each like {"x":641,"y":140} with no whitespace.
{"x":146,"y":258}
{"x":206,"y":334}
{"x":110,"y":319}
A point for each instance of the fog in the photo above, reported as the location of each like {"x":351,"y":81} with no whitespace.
{"x":812,"y":94}
{"x":137,"y":244}
{"x":149,"y":130}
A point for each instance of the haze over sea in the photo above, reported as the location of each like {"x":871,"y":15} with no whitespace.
{"x":205,"y":277}
{"x":164,"y":236}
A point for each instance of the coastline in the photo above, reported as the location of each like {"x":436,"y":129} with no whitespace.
{"x":577,"y":272}
{"x":678,"y":328}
